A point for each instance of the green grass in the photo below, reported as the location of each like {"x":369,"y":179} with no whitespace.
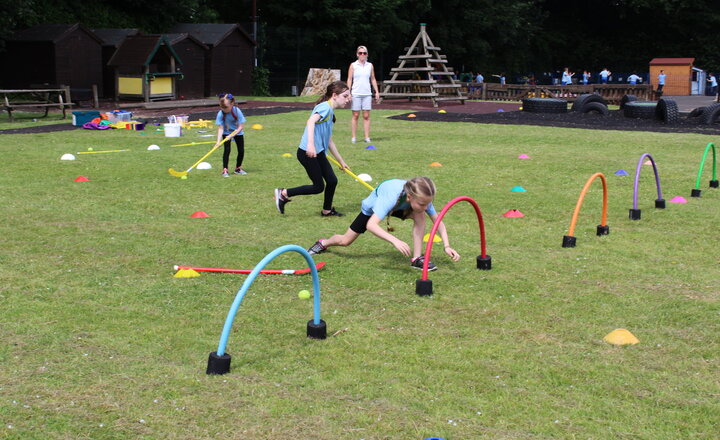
{"x":98,"y":340}
{"x":30,"y":119}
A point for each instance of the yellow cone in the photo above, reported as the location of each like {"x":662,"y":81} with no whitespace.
{"x":621,"y":336}
{"x":186,"y":273}
{"x":442,"y":111}
{"x":436,"y":239}
{"x":287,"y":155}
{"x":257,"y":127}
{"x":412,"y":115}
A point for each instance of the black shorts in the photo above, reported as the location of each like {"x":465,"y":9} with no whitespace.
{"x":359,"y":225}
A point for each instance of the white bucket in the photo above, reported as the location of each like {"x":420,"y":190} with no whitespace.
{"x":173,"y":130}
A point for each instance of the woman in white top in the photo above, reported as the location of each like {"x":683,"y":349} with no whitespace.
{"x":360,"y":76}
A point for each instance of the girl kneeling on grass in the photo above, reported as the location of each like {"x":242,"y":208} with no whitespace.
{"x":402,"y":199}
{"x":315,"y":142}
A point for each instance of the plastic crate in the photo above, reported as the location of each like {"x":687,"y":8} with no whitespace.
{"x":82,"y":117}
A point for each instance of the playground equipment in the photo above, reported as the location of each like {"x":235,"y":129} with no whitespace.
{"x":660,"y":202}
{"x":714,"y":182}
{"x":307,"y":270}
{"x":602,"y":229}
{"x":219,"y":361}
{"x":351,"y":174}
{"x":423,"y":286}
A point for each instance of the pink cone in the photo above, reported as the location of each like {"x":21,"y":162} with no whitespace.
{"x":513,"y":213}
{"x":81,"y":179}
{"x":647,"y":162}
{"x":678,"y":199}
{"x":199,"y":214}
{"x":523,"y":156}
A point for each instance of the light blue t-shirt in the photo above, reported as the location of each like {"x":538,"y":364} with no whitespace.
{"x":388,"y":197}
{"x":713,"y":81}
{"x":633,"y":79}
{"x":479,"y":78}
{"x":323,"y":128}
{"x":585,"y":78}
{"x":230,"y":121}
{"x":604,"y":74}
{"x":661,"y":79}
{"x":566,"y":78}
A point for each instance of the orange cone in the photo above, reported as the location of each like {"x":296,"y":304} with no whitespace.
{"x":199,"y":214}
{"x":436,"y":164}
{"x":81,"y":179}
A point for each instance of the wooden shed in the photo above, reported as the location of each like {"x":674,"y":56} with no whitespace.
{"x":145,"y":68}
{"x":192,"y":53}
{"x":679,"y":75}
{"x":229,"y":61}
{"x":111,"y":40}
{"x":54,"y":54}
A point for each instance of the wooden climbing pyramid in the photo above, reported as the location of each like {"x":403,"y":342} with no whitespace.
{"x":423,"y":73}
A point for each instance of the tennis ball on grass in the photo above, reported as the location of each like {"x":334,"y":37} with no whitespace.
{"x":303,"y":294}
{"x":90,"y":149}
{"x":183,"y":177}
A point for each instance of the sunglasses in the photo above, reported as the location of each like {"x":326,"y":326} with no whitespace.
{"x":225,"y":95}
{"x":362,"y":53}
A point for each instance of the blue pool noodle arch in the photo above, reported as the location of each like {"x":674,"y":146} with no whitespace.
{"x":222,"y":344}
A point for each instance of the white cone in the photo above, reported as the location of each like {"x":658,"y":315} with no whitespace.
{"x":204,"y":166}
{"x":365,"y":177}
{"x":153,"y":147}
{"x":67,"y":156}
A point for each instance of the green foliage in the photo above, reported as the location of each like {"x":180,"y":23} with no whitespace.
{"x":98,"y":340}
{"x":260,"y":81}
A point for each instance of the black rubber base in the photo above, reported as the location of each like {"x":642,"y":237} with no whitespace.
{"x":634,"y":214}
{"x":695,"y":193}
{"x":218,"y":364}
{"x":318,"y":331}
{"x":484,"y":263}
{"x":568,"y":241}
{"x":660,"y":203}
{"x":603,"y":230}
{"x":423,"y":287}
{"x":714,"y":184}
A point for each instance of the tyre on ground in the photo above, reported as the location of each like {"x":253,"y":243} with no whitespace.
{"x":667,"y":111}
{"x":544,"y":105}
{"x":595,"y":107}
{"x":711,"y":114}
{"x":625,"y":99}
{"x":581,"y":100}
{"x":640,"y":109}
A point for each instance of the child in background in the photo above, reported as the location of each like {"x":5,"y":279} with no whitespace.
{"x":316,"y":140}
{"x":399,"y":198}
{"x":231,"y":121}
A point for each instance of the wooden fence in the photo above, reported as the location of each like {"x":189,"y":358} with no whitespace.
{"x":613,"y":93}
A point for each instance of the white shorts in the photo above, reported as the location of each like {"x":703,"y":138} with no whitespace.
{"x":361,"y":103}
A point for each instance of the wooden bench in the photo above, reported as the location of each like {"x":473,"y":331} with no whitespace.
{"x":36,"y":98}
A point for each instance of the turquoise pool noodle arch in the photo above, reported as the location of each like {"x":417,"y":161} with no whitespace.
{"x":248,"y":282}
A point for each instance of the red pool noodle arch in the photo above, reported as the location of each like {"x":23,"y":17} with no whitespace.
{"x":424,"y":286}
{"x":603,"y":228}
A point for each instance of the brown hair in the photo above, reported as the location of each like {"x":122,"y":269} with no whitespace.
{"x":420,"y":187}
{"x":334,"y":88}
{"x":230,"y":100}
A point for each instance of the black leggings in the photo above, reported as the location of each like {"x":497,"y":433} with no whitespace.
{"x":240,"y":142}
{"x":318,"y":169}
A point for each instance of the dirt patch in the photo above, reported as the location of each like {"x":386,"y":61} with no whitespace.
{"x":614,"y":121}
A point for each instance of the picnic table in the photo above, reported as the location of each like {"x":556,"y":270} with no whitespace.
{"x":36,"y":98}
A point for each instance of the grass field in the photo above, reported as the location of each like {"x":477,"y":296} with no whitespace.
{"x":99,"y":340}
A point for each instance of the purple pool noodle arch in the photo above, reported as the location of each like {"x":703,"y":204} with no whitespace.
{"x":637,"y":179}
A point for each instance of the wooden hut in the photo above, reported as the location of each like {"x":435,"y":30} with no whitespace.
{"x":229,"y":61}
{"x":679,"y":75}
{"x":111,"y":40}
{"x":145,"y":68}
{"x":54,"y":54}
{"x":192,"y":53}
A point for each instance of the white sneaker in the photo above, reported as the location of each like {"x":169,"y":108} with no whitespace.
{"x":353,"y":140}
{"x":368,"y":140}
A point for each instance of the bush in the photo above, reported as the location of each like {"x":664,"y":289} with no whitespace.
{"x":260,"y":81}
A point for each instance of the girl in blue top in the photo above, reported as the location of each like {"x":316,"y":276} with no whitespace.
{"x":398,"y":198}
{"x":316,"y":140}
{"x":231,"y":121}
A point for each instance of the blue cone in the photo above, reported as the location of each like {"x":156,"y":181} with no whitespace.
{"x":621,"y":173}
{"x":500,"y":110}
{"x":370,"y":147}
{"x":518,"y":189}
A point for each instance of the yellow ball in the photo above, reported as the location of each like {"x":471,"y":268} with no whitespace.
{"x":304,"y":294}
{"x":183,"y":177}
{"x":90,"y":149}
